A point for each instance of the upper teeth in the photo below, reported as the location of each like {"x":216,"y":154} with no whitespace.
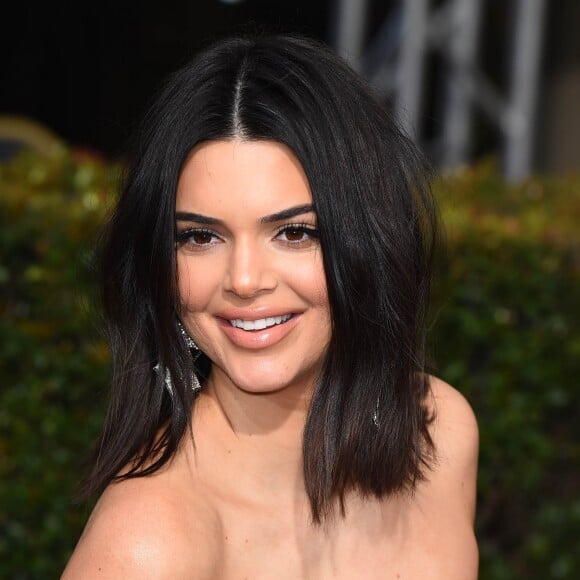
{"x":261,"y":323}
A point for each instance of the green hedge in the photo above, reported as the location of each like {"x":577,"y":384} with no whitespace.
{"x":509,"y":337}
{"x":53,"y":366}
{"x":506,"y":334}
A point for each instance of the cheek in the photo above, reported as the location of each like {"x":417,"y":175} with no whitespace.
{"x":310,"y":283}
{"x":314,"y":282}
{"x":195,"y":287}
{"x":320,"y":301}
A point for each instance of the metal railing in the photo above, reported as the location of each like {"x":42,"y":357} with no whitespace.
{"x":395,"y":60}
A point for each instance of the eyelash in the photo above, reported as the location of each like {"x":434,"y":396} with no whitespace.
{"x":303,"y":228}
{"x":184,"y":237}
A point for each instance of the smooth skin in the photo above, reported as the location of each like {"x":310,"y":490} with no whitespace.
{"x":234,"y":505}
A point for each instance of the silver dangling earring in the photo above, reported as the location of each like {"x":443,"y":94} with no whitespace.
{"x":195,"y":384}
{"x":166,"y":379}
{"x":190,"y":343}
{"x":188,"y":340}
{"x":376,"y":420}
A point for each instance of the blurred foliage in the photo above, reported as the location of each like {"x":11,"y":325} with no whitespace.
{"x":53,"y":365}
{"x":506,"y":334}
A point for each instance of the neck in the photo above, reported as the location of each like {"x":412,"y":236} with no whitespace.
{"x":256,"y":438}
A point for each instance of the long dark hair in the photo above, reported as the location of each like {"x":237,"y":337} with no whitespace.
{"x":366,"y":429}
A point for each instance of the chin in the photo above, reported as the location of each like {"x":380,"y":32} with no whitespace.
{"x":261,"y":388}
{"x":273,"y":378}
{"x":261,"y":383}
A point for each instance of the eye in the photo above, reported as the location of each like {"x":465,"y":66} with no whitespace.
{"x":297,"y":234}
{"x":196,"y":238}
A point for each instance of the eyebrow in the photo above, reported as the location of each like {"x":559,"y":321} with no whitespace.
{"x":183,"y":216}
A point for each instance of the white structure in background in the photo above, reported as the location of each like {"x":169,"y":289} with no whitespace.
{"x":394,"y":61}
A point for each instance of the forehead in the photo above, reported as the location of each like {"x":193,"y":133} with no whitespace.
{"x":235,"y":175}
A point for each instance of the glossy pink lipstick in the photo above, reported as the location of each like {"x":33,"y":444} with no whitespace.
{"x":257,"y":329}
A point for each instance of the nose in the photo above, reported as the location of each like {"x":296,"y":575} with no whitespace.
{"x":250,"y":270}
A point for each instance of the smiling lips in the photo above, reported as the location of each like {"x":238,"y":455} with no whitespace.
{"x":260,"y":323}
{"x":258,"y":333}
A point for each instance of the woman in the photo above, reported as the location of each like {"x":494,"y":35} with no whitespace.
{"x":265,"y":278}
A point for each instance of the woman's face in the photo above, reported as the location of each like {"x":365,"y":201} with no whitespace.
{"x":251,"y":279}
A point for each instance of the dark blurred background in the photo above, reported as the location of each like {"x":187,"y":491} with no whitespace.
{"x":87,"y":70}
{"x":490,"y":89}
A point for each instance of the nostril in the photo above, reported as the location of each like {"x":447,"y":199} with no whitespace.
{"x":247,"y":285}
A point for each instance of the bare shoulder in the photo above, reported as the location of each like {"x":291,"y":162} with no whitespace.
{"x":454,"y":431}
{"x":446,"y":501}
{"x":144,"y":528}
